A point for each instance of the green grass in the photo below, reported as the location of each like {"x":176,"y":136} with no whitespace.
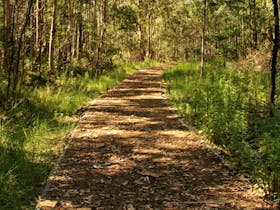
{"x":35,"y":127}
{"x":231,"y":108}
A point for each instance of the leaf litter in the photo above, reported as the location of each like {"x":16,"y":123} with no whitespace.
{"x":130,"y":151}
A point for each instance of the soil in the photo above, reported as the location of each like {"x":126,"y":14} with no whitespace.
{"x":131,"y":151}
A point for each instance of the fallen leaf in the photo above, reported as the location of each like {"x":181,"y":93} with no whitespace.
{"x":47,"y":203}
{"x":129,"y":207}
{"x":125,"y":183}
{"x":86,"y":191}
{"x":149,"y":173}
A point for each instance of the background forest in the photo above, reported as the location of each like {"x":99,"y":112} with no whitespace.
{"x":57,"y":55}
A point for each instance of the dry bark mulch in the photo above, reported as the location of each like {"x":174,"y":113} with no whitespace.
{"x":130,"y":151}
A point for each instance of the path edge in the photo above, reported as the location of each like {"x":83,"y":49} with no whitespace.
{"x":175,"y":111}
{"x":81,"y":112}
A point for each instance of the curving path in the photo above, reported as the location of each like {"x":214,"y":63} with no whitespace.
{"x":130,"y":151}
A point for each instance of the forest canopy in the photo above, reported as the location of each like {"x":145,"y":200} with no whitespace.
{"x":44,"y":37}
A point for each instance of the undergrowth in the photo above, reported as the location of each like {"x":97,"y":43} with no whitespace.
{"x":231,"y":108}
{"x":34,"y":128}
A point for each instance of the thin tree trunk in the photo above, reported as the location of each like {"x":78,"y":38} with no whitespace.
{"x":11,"y":46}
{"x":38,"y":34}
{"x":150,"y":48}
{"x":52,"y":38}
{"x":77,"y":40}
{"x":79,"y":32}
{"x":103,"y":34}
{"x":142,"y":50}
{"x":255,"y":33}
{"x":7,"y":23}
{"x":274,"y":52}
{"x":37,"y":12}
{"x":251,"y":33}
{"x":243,"y":36}
{"x":20,"y":42}
{"x":202,"y":63}
{"x":95,"y":32}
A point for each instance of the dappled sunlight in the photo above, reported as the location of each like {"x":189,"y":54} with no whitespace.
{"x":114,"y":165}
{"x":130,"y":149}
{"x":175,"y":133}
{"x":61,"y":178}
{"x":163,"y":160}
{"x":149,"y":151}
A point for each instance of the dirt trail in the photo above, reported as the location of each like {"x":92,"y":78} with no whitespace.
{"x":130,"y":151}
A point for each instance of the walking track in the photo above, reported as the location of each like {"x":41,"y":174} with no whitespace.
{"x":130,"y":151}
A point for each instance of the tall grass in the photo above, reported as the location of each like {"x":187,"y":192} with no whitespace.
{"x":34,"y":129}
{"x":231,"y":108}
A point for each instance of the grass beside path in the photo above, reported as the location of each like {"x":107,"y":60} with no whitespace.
{"x":35,"y":129}
{"x":231,"y":108}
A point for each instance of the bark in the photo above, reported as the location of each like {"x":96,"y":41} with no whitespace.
{"x":102,"y":35}
{"x":255,"y":33}
{"x":20,"y":42}
{"x":202,"y":63}
{"x":95,"y":32}
{"x":79,"y":32}
{"x":37,"y":12}
{"x":142,"y":50}
{"x":7,"y":40}
{"x":10,"y":29}
{"x":52,"y":38}
{"x":141,"y":28}
{"x":274,"y":52}
{"x":243,"y":36}
{"x":72,"y":29}
{"x":38,"y":35}
{"x":150,"y":47}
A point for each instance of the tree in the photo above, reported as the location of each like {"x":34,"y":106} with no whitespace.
{"x":52,"y":37}
{"x":274,"y":52}
{"x":202,"y":65}
{"x":80,"y":35}
{"x":8,"y":40}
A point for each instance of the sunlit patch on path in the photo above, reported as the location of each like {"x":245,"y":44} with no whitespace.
{"x":131,"y":152}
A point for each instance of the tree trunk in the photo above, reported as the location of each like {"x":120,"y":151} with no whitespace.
{"x":20,"y":43}
{"x":52,"y":38}
{"x":7,"y":41}
{"x":38,"y":36}
{"x":243,"y":35}
{"x":102,"y":35}
{"x":79,"y":32}
{"x":150,"y":34}
{"x":142,"y":47}
{"x":255,"y":27}
{"x":95,"y":34}
{"x":202,"y":63}
{"x":274,"y":52}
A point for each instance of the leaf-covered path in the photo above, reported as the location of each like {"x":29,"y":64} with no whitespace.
{"x":130,"y":151}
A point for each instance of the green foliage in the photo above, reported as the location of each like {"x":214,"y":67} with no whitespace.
{"x":33,"y":131}
{"x":126,"y":16}
{"x":230,"y":107}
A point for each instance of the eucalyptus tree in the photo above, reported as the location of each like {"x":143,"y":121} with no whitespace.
{"x":202,"y":64}
{"x":53,"y":30}
{"x":274,"y":52}
{"x":14,"y":29}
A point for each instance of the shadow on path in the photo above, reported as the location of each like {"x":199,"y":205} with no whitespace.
{"x":131,"y":152}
